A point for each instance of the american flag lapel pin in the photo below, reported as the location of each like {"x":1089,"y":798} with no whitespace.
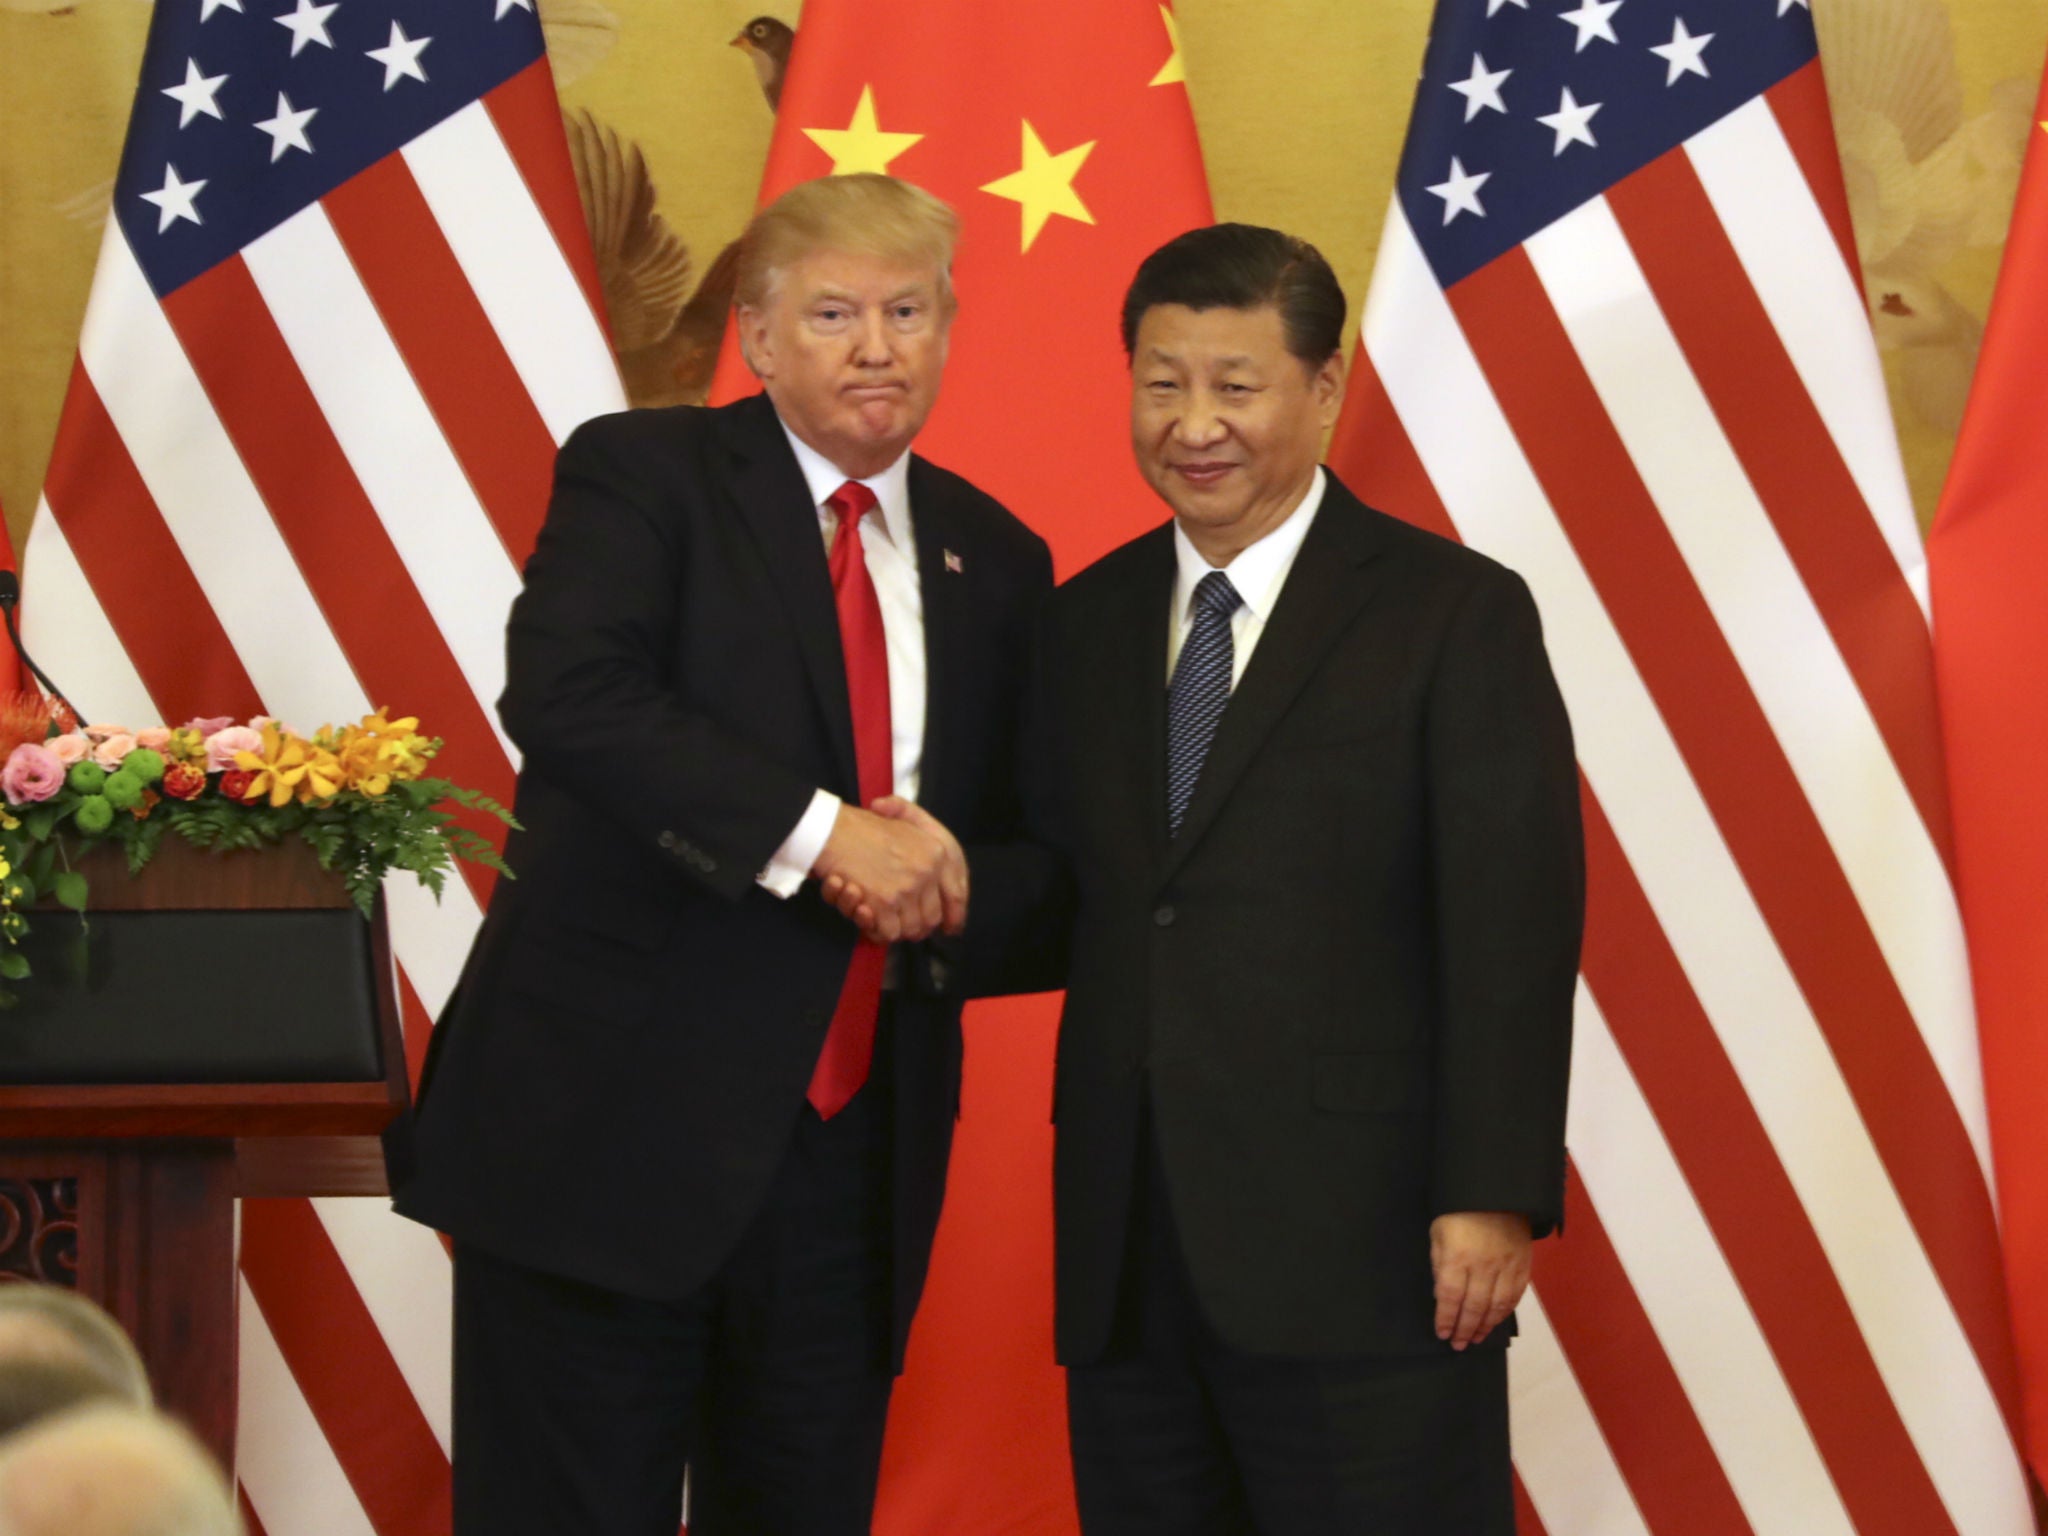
{"x":954,"y":563}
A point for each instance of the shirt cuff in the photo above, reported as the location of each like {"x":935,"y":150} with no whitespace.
{"x":790,"y":865}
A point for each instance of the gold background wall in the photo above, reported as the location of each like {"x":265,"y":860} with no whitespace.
{"x":1301,"y":106}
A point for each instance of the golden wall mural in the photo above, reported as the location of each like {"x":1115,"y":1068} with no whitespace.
{"x":1301,"y":106}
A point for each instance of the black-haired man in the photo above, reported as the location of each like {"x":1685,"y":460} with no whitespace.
{"x":1316,"y":785}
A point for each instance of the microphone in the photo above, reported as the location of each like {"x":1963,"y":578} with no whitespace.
{"x":10,"y":594}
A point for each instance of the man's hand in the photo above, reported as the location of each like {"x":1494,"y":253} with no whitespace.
{"x":1481,"y":1262}
{"x":895,"y":870}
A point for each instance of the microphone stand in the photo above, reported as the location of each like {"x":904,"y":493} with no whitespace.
{"x":10,"y":595}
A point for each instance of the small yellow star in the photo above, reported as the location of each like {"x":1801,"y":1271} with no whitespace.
{"x":861,"y":145}
{"x":1045,"y":185}
{"x":1172,"y":72}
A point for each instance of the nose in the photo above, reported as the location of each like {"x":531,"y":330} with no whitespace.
{"x":1199,"y":423}
{"x":871,"y":339}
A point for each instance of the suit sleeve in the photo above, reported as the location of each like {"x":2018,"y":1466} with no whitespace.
{"x":586,"y":697}
{"x":1509,"y":891}
{"x":1018,"y":932}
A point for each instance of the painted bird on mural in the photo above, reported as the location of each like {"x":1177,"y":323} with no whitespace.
{"x":767,"y":42}
{"x":666,"y":332}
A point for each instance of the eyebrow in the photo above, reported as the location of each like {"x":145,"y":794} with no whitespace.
{"x":1161,"y":355}
{"x":840,"y":295}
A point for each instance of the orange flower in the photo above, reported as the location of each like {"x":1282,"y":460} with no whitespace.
{"x":24,"y":716}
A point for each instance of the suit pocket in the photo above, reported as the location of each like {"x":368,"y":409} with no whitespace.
{"x":594,"y":963}
{"x":1365,"y":1083}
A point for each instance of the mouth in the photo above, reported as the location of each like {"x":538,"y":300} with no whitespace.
{"x":870,"y":389}
{"x":1202,"y":473}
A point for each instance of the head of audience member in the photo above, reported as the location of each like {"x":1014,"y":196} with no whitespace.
{"x":59,"y":1349}
{"x":1235,"y":336}
{"x":844,"y":301}
{"x":112,"y":1471}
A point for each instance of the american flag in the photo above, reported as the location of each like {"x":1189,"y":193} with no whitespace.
{"x":1616,"y":338}
{"x":343,"y":314}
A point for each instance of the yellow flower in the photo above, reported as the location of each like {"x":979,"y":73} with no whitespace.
{"x":322,"y":779}
{"x":7,"y":821}
{"x":400,"y":751}
{"x":186,"y":747}
{"x":360,"y":768}
{"x":278,"y":768}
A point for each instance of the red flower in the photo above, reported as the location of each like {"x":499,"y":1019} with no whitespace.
{"x":182,"y":781}
{"x":235,"y":783}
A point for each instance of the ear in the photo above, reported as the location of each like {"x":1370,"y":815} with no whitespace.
{"x":1328,"y":388}
{"x":751,"y":325}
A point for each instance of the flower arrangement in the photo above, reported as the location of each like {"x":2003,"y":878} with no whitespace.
{"x":359,"y":795}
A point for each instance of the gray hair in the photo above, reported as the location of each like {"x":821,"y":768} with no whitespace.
{"x":112,"y":1471}
{"x":58,"y":1348}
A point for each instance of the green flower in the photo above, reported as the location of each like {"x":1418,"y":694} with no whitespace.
{"x":146,"y":764}
{"x":123,"y":790}
{"x":86,"y":777}
{"x":95,"y":813}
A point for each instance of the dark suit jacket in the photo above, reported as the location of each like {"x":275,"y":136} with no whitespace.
{"x":627,"y":1053}
{"x":1345,"y":987}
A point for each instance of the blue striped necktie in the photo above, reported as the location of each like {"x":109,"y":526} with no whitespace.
{"x":1198,"y":692}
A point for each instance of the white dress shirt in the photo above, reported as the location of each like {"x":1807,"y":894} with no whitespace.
{"x":890,"y":551}
{"x":1258,"y":573}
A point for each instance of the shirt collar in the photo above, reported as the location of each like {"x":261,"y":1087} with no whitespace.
{"x":891,"y":487}
{"x":1261,"y":568}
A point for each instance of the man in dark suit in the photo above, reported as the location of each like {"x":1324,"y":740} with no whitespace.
{"x":688,"y":1129}
{"x":1311,"y":1080}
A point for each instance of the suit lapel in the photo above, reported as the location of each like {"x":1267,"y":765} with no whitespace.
{"x":1136,"y":647}
{"x":775,"y":506}
{"x":946,"y":622}
{"x":1321,"y":594}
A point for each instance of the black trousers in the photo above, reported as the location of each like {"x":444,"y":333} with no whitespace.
{"x":1176,"y":1434}
{"x":578,"y":1409}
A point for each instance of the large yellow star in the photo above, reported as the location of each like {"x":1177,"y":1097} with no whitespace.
{"x":1045,"y":185}
{"x":1172,"y":72}
{"x":861,"y":145}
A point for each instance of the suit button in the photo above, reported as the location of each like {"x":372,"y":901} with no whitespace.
{"x":706,"y":863}
{"x":667,"y":840}
{"x":1164,"y":916}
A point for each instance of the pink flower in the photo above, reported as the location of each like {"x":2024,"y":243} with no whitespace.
{"x":206,"y":725}
{"x":69,"y":748}
{"x":156,"y":738}
{"x":224,"y":743}
{"x":32,"y":773}
{"x":99,"y":733}
{"x":110,"y":752}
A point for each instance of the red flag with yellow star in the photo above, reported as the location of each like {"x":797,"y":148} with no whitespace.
{"x":1988,"y":562}
{"x":1060,"y":133}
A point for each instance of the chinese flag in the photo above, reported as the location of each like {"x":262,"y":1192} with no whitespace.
{"x":1060,"y":133}
{"x":13,"y":674}
{"x":1988,"y":556}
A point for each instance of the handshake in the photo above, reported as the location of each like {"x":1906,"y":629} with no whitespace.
{"x":895,"y":870}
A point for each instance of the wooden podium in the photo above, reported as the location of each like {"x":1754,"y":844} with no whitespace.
{"x":228,"y":1026}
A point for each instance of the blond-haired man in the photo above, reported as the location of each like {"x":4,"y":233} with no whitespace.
{"x":111,"y":1470}
{"x":687,"y":1126}
{"x":59,"y":1349}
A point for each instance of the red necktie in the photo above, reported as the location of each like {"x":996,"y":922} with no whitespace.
{"x":850,"y":1042}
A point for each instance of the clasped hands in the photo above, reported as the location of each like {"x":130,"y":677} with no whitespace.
{"x":895,"y":870}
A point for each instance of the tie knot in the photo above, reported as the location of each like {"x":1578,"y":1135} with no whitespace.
{"x":1215,"y":594}
{"x":851,"y":502}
